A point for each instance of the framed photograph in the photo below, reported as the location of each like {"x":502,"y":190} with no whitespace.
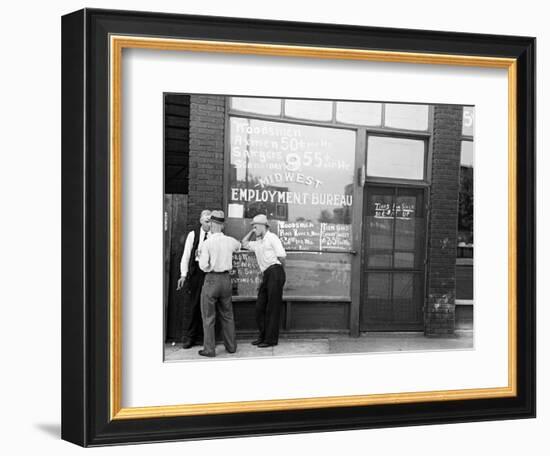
{"x":269,"y":227}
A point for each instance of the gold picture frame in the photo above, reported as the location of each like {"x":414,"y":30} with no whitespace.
{"x":104,"y":28}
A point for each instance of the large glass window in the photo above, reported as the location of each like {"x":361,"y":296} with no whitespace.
{"x":395,"y":157}
{"x":301,"y":177}
{"x":406,"y":116}
{"x":291,"y":172}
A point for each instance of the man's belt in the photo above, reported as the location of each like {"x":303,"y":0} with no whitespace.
{"x":273,"y":266}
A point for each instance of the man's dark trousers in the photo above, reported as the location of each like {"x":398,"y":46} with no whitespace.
{"x":192,"y":321}
{"x":269,"y":304}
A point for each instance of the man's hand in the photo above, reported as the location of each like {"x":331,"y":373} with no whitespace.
{"x":181,"y":280}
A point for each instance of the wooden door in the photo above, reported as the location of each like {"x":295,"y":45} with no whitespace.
{"x":175,"y":222}
{"x":394,"y":252}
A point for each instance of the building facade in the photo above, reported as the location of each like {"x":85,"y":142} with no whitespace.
{"x":373,"y":202}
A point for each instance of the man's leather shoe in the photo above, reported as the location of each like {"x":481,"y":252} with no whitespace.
{"x":265,"y":345}
{"x":188,"y":344}
{"x":257,"y":342}
{"x":205,"y":353}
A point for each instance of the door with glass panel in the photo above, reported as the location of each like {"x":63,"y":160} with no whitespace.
{"x":393,"y":259}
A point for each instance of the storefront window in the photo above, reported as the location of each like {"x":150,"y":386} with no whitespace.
{"x":406,"y":116}
{"x":266,"y":106}
{"x":468,"y":121}
{"x":301,"y":177}
{"x":291,"y":172}
{"x":467,"y":154}
{"x":465,"y":229}
{"x":309,"y":109}
{"x":395,"y":157}
{"x":368,"y":114}
{"x":466,"y":201}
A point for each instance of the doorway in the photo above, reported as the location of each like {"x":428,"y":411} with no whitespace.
{"x":394,"y":254}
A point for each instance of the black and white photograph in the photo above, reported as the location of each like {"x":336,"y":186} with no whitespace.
{"x":307,"y":227}
{"x":248,"y":228}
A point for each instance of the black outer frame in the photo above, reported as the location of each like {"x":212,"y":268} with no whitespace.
{"x":85,"y":227}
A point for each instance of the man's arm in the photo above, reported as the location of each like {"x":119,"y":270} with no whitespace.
{"x":245,"y":242}
{"x":184,"y":264}
{"x":236,"y":245}
{"x":278,"y":248}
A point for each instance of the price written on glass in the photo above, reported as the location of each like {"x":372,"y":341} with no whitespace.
{"x":299,"y":235}
{"x":335,"y":236}
{"x":295,"y":161}
{"x":282,"y":144}
{"x":314,"y":236}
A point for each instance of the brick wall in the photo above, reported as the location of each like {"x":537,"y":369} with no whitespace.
{"x":206,"y":150}
{"x":439,"y":311}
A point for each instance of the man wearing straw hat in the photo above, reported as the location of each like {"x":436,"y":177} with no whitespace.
{"x":216,"y":260}
{"x":270,"y":255}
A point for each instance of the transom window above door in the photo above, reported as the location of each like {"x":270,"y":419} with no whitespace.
{"x":392,"y":157}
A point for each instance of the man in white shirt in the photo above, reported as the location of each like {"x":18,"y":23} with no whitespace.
{"x":216,"y":260}
{"x":191,"y":281}
{"x":270,"y":255}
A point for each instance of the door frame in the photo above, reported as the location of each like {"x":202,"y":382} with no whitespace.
{"x":363,"y":181}
{"x":422,"y":269}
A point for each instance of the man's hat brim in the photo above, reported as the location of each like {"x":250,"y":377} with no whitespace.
{"x":215,"y":219}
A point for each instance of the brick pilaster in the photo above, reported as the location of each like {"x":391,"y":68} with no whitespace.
{"x":206,"y":150}
{"x":439,"y":310}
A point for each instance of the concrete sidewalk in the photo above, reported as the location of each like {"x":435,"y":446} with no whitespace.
{"x":338,"y":344}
